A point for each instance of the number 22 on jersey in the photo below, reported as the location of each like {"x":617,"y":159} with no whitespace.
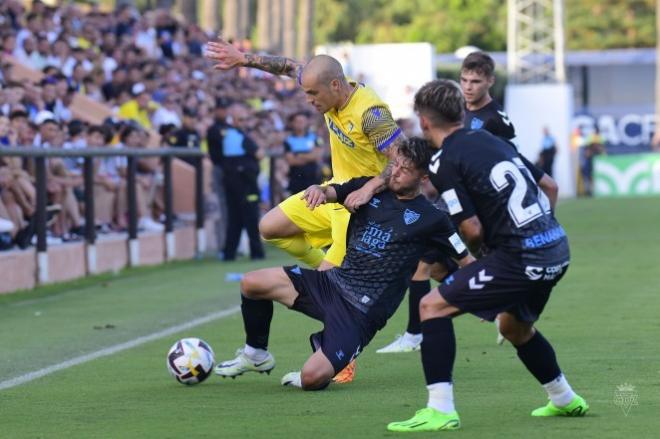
{"x":520,"y":214}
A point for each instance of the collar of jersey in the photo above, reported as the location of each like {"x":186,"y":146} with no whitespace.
{"x":350,"y":97}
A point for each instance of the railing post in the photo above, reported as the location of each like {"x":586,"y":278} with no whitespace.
{"x":170,"y":243}
{"x":272,"y":181}
{"x":131,"y":187}
{"x":199,"y":206}
{"x":90,"y":222}
{"x":42,"y":250}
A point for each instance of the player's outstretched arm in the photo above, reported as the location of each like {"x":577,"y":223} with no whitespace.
{"x":226,"y":57}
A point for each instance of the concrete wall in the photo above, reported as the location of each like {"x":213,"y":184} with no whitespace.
{"x":19,"y":268}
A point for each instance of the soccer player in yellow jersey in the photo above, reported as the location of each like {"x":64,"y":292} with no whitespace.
{"x":363,"y":135}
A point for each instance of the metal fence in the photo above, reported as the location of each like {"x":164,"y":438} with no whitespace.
{"x":132,"y":155}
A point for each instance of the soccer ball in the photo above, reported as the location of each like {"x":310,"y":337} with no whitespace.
{"x":190,"y":360}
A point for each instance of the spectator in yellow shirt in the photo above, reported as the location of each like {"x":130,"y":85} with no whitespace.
{"x":139,"y":108}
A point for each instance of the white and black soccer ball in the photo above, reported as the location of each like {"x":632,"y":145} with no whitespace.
{"x":190,"y":360}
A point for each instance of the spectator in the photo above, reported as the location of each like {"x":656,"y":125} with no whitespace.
{"x":149,"y":179}
{"x":109,"y":182}
{"x":188,"y":135}
{"x":139,"y":108}
{"x":302,"y":154}
{"x":116,"y":85}
{"x":27,"y":53}
{"x":167,"y":113}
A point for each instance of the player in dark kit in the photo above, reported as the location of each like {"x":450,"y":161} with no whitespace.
{"x":386,"y":238}
{"x":501,"y":212}
{"x":481,"y":112}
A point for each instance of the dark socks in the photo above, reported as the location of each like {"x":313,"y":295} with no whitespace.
{"x":417,"y":290}
{"x":539,"y":358}
{"x":438,"y":349}
{"x":257,"y":315}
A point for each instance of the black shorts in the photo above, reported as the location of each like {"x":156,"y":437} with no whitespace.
{"x":346,"y":330}
{"x":500,"y":282}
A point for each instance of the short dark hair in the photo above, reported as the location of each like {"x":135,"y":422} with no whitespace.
{"x":293,"y":116}
{"x":417,"y":151}
{"x":479,"y":62}
{"x":97,"y":129}
{"x":442,"y":101}
{"x":18,"y":114}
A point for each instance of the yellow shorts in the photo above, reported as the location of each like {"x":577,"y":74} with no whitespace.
{"x":324,"y":226}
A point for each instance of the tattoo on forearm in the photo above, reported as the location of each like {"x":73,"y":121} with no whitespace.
{"x":278,"y":65}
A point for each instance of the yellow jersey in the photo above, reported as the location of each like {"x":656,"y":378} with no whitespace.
{"x":360,"y":132}
{"x":132,"y":111}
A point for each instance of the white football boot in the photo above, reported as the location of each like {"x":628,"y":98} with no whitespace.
{"x":242,"y":363}
{"x":403,"y":343}
{"x":292,"y":379}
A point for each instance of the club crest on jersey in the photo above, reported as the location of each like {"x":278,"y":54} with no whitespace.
{"x":374,"y":202}
{"x":343,"y":138}
{"x":476,"y":124}
{"x":410,"y":216}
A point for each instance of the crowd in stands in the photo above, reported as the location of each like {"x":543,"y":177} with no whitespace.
{"x":149,"y":69}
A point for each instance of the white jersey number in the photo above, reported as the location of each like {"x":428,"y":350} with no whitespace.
{"x":520,"y":214}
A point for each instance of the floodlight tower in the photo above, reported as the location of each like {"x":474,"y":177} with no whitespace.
{"x":535,"y":41}
{"x":537,"y":95}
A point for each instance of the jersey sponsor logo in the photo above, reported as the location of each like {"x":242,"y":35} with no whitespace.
{"x":410,"y":216}
{"x":452,"y":202}
{"x":435,"y":162}
{"x":479,"y":281}
{"x":476,"y":124}
{"x":457,"y":243}
{"x":374,"y":202}
{"x":505,"y":117}
{"x":544,"y":238}
{"x":374,"y":240}
{"x":343,"y":138}
{"x":545,"y":273}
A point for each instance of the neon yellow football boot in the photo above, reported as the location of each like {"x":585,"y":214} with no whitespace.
{"x":577,"y":407}
{"x":427,"y":419}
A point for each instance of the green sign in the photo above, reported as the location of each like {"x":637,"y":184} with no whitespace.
{"x":627,"y":175}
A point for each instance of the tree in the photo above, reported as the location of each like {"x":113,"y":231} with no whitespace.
{"x":450,"y":24}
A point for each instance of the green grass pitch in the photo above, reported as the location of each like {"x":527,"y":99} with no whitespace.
{"x":602,"y":319}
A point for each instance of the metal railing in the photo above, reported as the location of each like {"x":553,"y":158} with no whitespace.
{"x":89,"y":154}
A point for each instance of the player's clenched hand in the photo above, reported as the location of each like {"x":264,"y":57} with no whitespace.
{"x":225,"y":55}
{"x":358,"y":198}
{"x":314,"y":195}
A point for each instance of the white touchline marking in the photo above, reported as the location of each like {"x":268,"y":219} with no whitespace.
{"x":111,"y":350}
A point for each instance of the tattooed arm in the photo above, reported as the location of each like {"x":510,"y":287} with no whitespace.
{"x":385,"y":136}
{"x":227,"y":57}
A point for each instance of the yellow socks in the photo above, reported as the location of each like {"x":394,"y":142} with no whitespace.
{"x":298,"y":247}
